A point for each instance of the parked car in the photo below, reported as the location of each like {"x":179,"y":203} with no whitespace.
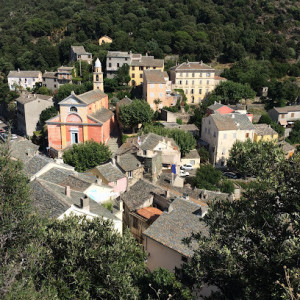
{"x":230,"y":175}
{"x":184,"y":173}
{"x":2,"y":130}
{"x":187,"y":167}
{"x":13,"y":136}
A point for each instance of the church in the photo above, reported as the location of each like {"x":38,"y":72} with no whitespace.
{"x":81,"y":118}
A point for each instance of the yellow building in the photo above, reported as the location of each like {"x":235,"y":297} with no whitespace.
{"x":140,"y":63}
{"x":264,"y":132}
{"x":105,"y":40}
{"x":196,"y":79}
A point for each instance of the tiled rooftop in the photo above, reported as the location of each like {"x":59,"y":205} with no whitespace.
{"x":110,"y":172}
{"x":26,"y":74}
{"x":128,"y":162}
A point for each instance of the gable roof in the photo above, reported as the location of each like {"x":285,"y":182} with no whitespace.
{"x":79,"y":50}
{"x":192,"y":154}
{"x":192,"y":66}
{"x":101,"y":115}
{"x":180,"y":222}
{"x":264,"y":129}
{"x":124,"y":101}
{"x":85,"y":98}
{"x":149,"y":212}
{"x":128,"y":162}
{"x":35,"y":164}
{"x":233,"y":121}
{"x":154,"y":76}
{"x":140,"y":192}
{"x":26,"y":74}
{"x":147,"y":61}
{"x":117,"y":54}
{"x":23,"y":150}
{"x":27,"y":97}
{"x":287,"y":109}
{"x":110,"y":172}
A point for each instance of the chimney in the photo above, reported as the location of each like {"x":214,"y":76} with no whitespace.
{"x":72,"y":93}
{"x":85,"y":203}
{"x":113,"y":161}
{"x":68,"y":191}
{"x":118,"y":158}
{"x":167,"y":194}
{"x":99,"y":181}
{"x":18,"y":70}
{"x":28,"y":153}
{"x":232,"y":116}
{"x":201,"y":62}
{"x":121,"y":205}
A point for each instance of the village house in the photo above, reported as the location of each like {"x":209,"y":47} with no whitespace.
{"x":29,"y":108}
{"x":219,"y":79}
{"x":112,"y":176}
{"x":157,"y":87}
{"x":264,"y":132}
{"x":196,"y":79}
{"x":115,"y":60}
{"x":191,"y":158}
{"x":105,"y":40}
{"x":63,"y":75}
{"x":140,"y":63}
{"x":81,"y":118}
{"x":143,"y":204}
{"x":285,"y":115}
{"x":78,"y":53}
{"x":220,"y":132}
{"x":191,"y":128}
{"x":131,"y":166}
{"x":23,"y":79}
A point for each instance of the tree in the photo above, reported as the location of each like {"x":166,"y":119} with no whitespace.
{"x":138,"y":112}
{"x":87,"y":155}
{"x":122,"y":76}
{"x":204,"y":155}
{"x":47,"y":114}
{"x":253,"y":158}
{"x":250,"y":241}
{"x":184,"y":140}
{"x":294,"y":137}
{"x":209,"y":178}
{"x":44,"y":91}
{"x":265,"y":119}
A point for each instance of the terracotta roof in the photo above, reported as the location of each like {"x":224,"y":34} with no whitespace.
{"x":149,"y":212}
{"x":192,"y":66}
{"x":148,"y":61}
{"x":21,"y":74}
{"x":154,"y":76}
{"x":287,"y":109}
{"x":101,"y":115}
{"x":264,"y":129}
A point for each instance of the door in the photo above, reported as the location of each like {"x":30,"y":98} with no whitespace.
{"x":74,"y":137}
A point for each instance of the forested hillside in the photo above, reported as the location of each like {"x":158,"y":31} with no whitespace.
{"x":38,"y":34}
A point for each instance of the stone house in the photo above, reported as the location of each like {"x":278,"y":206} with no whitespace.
{"x":143,"y":204}
{"x":192,"y":158}
{"x":156,"y":86}
{"x":196,"y":79}
{"x":81,"y":118}
{"x":285,"y":115}
{"x":112,"y":176}
{"x":115,"y":60}
{"x":105,"y":40}
{"x":131,"y":166}
{"x":23,"y":79}
{"x":79,"y":53}
{"x":220,"y":132}
{"x":191,"y":128}
{"x":29,"y":108}
{"x":264,"y":132}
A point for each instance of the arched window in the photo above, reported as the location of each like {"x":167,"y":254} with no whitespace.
{"x":97,"y":77}
{"x":73,"y":108}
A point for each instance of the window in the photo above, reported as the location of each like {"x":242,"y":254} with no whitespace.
{"x":234,"y":135}
{"x":73,"y":109}
{"x":152,"y":95}
{"x":192,"y":91}
{"x":55,"y":80}
{"x":186,"y":91}
{"x":33,"y":79}
{"x":207,"y":74}
{"x":215,"y":134}
{"x":208,"y":130}
{"x":141,"y":75}
{"x":292,"y":115}
{"x":118,"y":65}
{"x":135,"y":223}
{"x":130,"y":174}
{"x":193,"y":99}
{"x":79,"y":56}
{"x":247,"y":135}
{"x":44,"y":79}
{"x":282,"y":116}
{"x":125,"y":58}
{"x":55,"y":85}
{"x":200,"y":82}
{"x":109,"y":65}
{"x":141,"y":68}
{"x":206,"y":91}
{"x":132,"y":68}
{"x":144,"y":152}
{"x":160,"y":86}
{"x":97,"y":77}
{"x":193,"y":82}
{"x":152,"y":85}
{"x":224,"y":136}
{"x":25,"y":80}
{"x":192,"y":162}
{"x":193,"y":74}
{"x":109,"y":59}
{"x":180,"y":74}
{"x":154,"y":68}
{"x":186,"y":82}
{"x":180,"y":81}
{"x":160,"y":95}
{"x":133,"y":82}
{"x":200,"y":91}
{"x":207,"y":82}
{"x":205,"y":130}
{"x":184,"y":259}
{"x":132,"y":75}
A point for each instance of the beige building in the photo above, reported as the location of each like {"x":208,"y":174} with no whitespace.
{"x":285,"y":115}
{"x":220,"y":132}
{"x":140,"y":63}
{"x":191,"y":158}
{"x":156,"y":86}
{"x":29,"y":108}
{"x":196,"y":79}
{"x":105,"y":40}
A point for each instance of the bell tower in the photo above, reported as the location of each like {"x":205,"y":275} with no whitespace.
{"x":98,"y":76}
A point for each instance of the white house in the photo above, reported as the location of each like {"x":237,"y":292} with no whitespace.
{"x":23,"y":79}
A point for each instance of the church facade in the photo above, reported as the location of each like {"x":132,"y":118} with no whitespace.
{"x":82,"y":117}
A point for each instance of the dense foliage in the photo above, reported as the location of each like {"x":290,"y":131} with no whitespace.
{"x":86,"y":155}
{"x":209,"y":178}
{"x":294,"y":137}
{"x":254,"y":158}
{"x":253,"y":243}
{"x":138,"y":112}
{"x":47,"y":114}
{"x":184,"y":140}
